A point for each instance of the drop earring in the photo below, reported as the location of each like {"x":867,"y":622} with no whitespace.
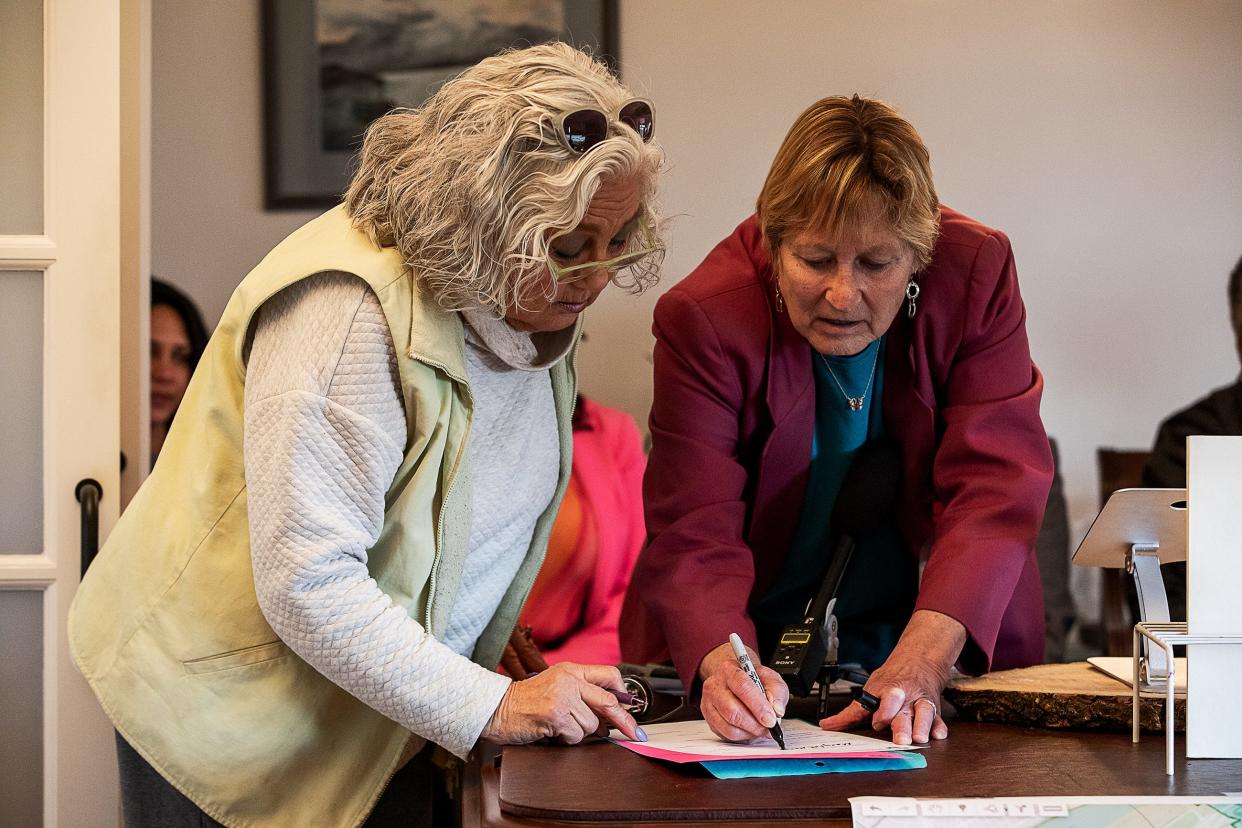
{"x":780,"y":300}
{"x":912,"y":295}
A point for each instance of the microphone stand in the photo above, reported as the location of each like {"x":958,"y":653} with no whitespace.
{"x":804,"y":649}
{"x":866,"y":495}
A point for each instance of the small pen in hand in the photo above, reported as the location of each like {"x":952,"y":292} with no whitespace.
{"x":627,"y":700}
{"x":743,"y":661}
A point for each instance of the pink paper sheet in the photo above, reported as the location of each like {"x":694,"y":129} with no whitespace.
{"x":643,"y":749}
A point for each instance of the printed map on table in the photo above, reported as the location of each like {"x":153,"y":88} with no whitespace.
{"x":1049,"y":812}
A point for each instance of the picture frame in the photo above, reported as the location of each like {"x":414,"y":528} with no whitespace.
{"x":308,"y":148}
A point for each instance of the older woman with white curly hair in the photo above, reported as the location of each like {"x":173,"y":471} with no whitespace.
{"x":315,"y":585}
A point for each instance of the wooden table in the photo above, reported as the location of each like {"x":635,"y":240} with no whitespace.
{"x":593,"y":783}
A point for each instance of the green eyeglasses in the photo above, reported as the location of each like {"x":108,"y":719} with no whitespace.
{"x":647,"y":244}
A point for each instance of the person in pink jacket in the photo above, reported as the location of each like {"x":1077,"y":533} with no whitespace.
{"x":575,"y":602}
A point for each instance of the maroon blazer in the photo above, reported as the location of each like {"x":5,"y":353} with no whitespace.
{"x":731,"y":426}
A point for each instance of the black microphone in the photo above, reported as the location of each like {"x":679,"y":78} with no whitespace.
{"x":863,"y":503}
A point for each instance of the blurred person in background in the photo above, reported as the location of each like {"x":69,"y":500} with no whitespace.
{"x":575,"y":604}
{"x":178,"y":338}
{"x":1219,"y":413}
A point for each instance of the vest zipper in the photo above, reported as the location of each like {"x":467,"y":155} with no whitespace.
{"x":384,"y":787}
{"x":448,"y":493}
{"x":435,"y":564}
{"x":573,"y":379}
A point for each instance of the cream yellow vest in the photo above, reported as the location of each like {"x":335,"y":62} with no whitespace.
{"x":166,"y":626}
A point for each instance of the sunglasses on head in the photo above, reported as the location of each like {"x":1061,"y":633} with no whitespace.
{"x":584,"y":128}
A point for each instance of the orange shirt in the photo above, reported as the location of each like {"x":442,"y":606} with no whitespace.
{"x":555,"y":606}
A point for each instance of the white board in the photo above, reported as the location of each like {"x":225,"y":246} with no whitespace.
{"x":1213,"y":596}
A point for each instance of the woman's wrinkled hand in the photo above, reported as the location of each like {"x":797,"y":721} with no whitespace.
{"x":567,"y":702}
{"x":909,"y":693}
{"x":909,"y":684}
{"x":732,"y":705}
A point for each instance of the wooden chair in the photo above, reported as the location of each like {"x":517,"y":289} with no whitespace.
{"x":1119,"y":469}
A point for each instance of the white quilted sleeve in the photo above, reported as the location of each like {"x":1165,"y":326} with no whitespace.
{"x":324,"y":435}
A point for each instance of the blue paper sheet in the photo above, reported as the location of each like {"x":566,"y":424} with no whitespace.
{"x":744,"y":768}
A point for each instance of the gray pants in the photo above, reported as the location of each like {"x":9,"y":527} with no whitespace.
{"x":149,"y":801}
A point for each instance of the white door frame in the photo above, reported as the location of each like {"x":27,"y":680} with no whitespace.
{"x":79,"y":256}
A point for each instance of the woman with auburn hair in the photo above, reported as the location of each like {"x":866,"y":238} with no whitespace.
{"x":852,"y":309}
{"x":312,"y":590}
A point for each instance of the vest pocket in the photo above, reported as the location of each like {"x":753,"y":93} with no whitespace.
{"x":236,"y":658}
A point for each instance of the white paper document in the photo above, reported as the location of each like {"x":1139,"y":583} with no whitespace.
{"x":1122,"y":669}
{"x":693,"y":741}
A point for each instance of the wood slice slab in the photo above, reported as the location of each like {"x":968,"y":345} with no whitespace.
{"x":1072,"y":695}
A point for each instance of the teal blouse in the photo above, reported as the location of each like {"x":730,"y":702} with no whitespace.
{"x":879,"y":587}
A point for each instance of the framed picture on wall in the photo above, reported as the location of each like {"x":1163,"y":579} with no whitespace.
{"x":333,"y":66}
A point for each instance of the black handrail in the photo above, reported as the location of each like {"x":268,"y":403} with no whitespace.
{"x":89,"y":493}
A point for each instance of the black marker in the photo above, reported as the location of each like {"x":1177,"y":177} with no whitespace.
{"x":743,"y":661}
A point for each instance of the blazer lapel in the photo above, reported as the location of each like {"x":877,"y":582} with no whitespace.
{"x":785,"y":460}
{"x":911,"y":421}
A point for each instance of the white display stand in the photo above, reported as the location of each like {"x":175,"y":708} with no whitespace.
{"x":1166,"y":636}
{"x":1139,"y":529}
{"x":1214,"y":598}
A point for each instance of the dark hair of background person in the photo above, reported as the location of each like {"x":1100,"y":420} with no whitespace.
{"x":1235,"y":285}
{"x":162,"y":293}
{"x":1235,"y":301}
{"x":1218,"y":413}
{"x":171,"y":372}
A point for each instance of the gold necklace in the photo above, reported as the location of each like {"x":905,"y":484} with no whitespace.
{"x":855,"y":403}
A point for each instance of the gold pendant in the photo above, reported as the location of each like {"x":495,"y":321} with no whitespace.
{"x":855,"y":403}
